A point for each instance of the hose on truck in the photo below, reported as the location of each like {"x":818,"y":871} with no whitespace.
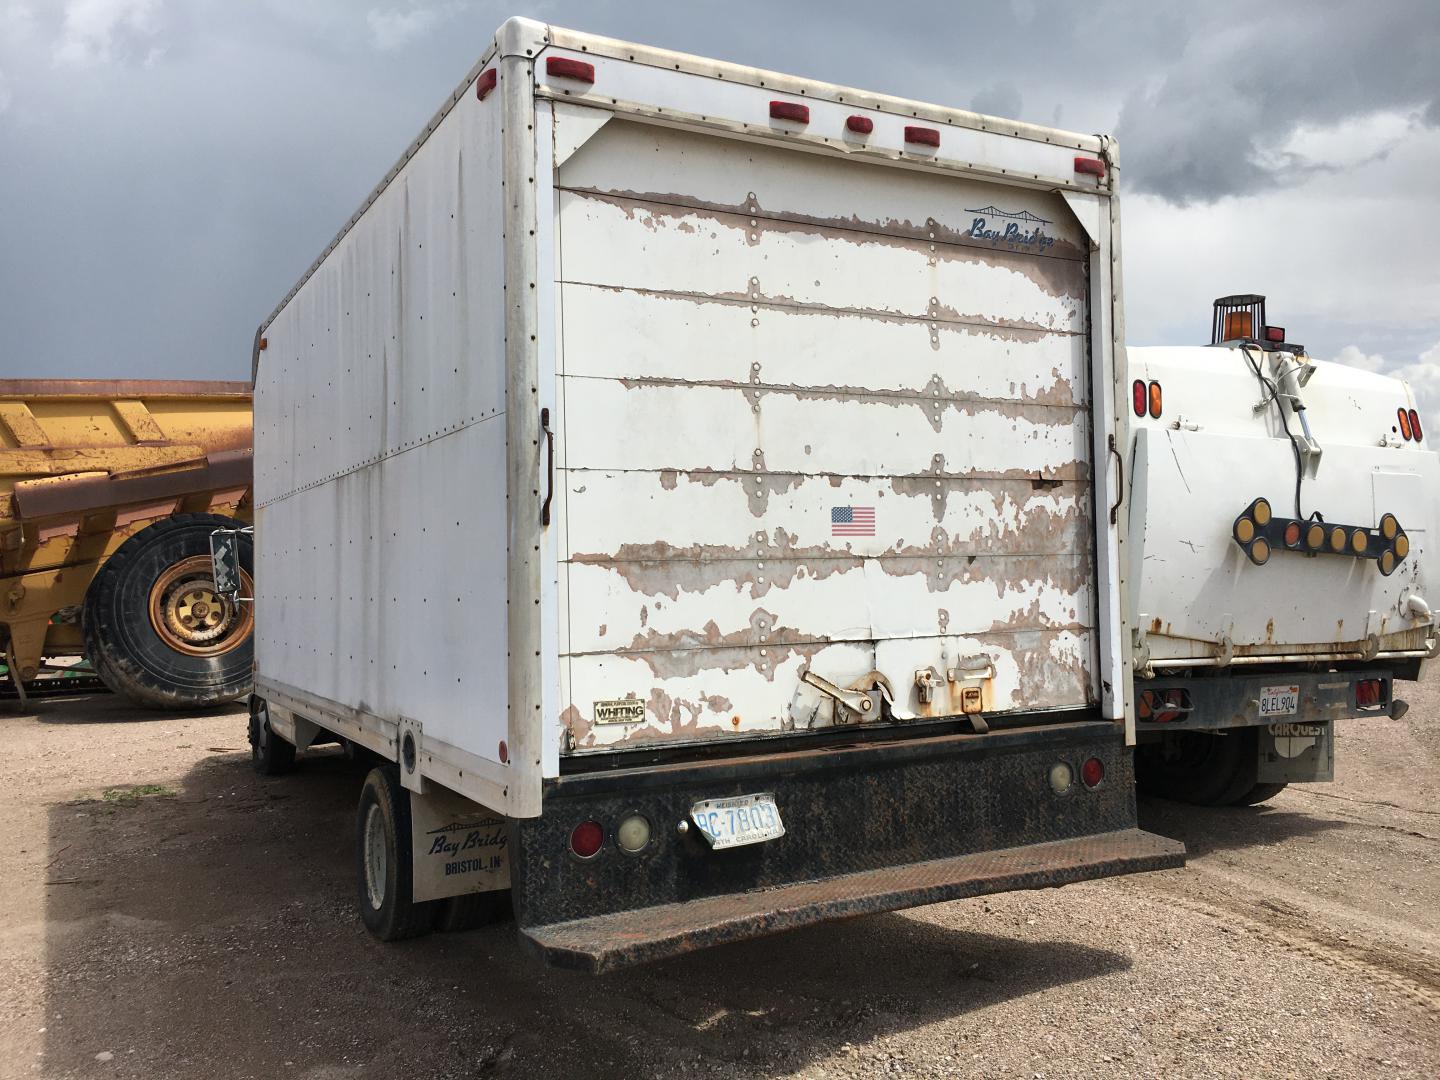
{"x":1268,"y":384}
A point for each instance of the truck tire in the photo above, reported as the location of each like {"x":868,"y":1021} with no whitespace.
{"x":156,"y":630}
{"x":1259,"y":793}
{"x":270,"y":755}
{"x":473,"y":910}
{"x":383,"y":861}
{"x":1198,"y":767}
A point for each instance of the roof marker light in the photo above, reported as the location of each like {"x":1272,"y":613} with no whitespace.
{"x":565,"y":68}
{"x":922,"y":136}
{"x":860,"y":125}
{"x":486,"y":82}
{"x":790,"y":110}
{"x":1090,"y":166}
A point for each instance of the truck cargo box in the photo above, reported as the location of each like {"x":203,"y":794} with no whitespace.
{"x":658,"y":411}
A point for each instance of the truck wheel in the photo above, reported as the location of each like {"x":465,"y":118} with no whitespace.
{"x":383,"y":860}
{"x":1198,"y":767}
{"x":1259,"y":793}
{"x":270,"y":755}
{"x":473,"y":910}
{"x":155,"y":628}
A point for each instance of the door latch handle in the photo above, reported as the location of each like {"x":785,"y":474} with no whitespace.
{"x":550,"y":468}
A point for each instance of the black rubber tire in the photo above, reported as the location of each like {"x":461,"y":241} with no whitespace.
{"x":473,"y":910}
{"x":396,"y":916}
{"x":122,"y":645}
{"x":1259,"y":793}
{"x":270,"y":755}
{"x":1197,"y":767}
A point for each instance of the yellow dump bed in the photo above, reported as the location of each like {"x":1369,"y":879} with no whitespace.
{"x":85,"y":465}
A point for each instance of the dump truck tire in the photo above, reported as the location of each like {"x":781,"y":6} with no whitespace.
{"x":1199,"y":768}
{"x":156,"y":630}
{"x":383,"y":861}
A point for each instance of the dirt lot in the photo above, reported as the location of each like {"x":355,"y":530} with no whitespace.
{"x":164,"y":912}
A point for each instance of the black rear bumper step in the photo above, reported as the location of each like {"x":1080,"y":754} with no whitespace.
{"x":604,"y":943}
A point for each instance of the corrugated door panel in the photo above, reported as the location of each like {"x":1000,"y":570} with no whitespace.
{"x":815,"y":414}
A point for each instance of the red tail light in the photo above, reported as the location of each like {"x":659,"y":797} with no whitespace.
{"x":1138,"y":391}
{"x":565,"y":68}
{"x":1415,"y":425}
{"x":1092,"y":772}
{"x":585,"y":841}
{"x":1369,"y":693}
{"x":790,"y":110}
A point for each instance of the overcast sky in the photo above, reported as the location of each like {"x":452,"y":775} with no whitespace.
{"x":169,"y":167}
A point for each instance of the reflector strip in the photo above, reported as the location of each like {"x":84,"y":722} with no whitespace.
{"x":790,"y":110}
{"x":566,"y":68}
{"x":922,"y":136}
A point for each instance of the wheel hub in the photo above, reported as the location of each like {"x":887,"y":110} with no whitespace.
{"x":189,"y":614}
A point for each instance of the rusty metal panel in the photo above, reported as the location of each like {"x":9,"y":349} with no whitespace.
{"x":814,"y":338}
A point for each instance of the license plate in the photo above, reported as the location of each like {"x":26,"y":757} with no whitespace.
{"x":1279,"y":700}
{"x":744,"y":819}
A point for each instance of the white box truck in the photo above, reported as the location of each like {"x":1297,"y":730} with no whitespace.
{"x":1280,"y":516}
{"x":699,"y":488}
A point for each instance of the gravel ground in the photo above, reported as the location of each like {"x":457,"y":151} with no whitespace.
{"x":166,"y":913}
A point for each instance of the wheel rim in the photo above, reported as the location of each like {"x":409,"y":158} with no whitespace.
{"x":191,"y":617}
{"x":376,"y":857}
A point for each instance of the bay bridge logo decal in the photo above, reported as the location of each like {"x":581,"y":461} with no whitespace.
{"x":1019,"y":227}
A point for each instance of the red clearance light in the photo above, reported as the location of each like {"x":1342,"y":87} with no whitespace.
{"x":585,"y":841}
{"x":1138,"y":391}
{"x":486,"y":82}
{"x":1415,"y":425}
{"x":566,"y":68}
{"x":922,"y":136}
{"x":1090,"y":166}
{"x":790,"y":110}
{"x":1404,"y":419}
{"x":1092,"y":772}
{"x":1274,"y":333}
{"x":861,"y":125}
{"x":1369,"y":693}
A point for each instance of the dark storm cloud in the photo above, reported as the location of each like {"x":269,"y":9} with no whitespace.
{"x":1247,"y":75}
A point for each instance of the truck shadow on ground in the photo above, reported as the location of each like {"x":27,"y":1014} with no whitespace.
{"x":1206,"y":829}
{"x":208,"y":928}
{"x":100,"y":708}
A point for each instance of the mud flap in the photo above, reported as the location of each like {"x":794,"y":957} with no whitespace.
{"x":1296,"y":753}
{"x":459,"y":846}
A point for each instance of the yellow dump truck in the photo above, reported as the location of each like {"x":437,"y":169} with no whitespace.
{"x":109,"y":491}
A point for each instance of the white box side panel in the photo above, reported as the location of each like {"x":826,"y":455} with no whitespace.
{"x":381,"y":531}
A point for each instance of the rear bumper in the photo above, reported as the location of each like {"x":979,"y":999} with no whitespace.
{"x":605,"y":942}
{"x":1214,"y":702}
{"x":868,"y":828}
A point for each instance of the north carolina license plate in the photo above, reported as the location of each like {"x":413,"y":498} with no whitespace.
{"x":744,"y":819}
{"x":1279,"y":700}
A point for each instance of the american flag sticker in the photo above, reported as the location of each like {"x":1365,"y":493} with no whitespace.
{"x":852,"y":521}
